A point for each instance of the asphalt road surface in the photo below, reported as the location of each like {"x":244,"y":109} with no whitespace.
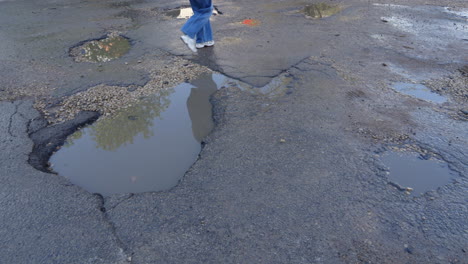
{"x":293,"y":178}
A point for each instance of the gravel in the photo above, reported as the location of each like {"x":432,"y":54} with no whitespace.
{"x":165,"y":72}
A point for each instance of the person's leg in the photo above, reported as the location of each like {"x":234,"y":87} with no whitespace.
{"x":202,"y":11}
{"x":205,"y":34}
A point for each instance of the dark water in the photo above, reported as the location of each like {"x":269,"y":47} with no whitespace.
{"x":419,"y":91}
{"x":410,"y":170}
{"x":147,"y":147}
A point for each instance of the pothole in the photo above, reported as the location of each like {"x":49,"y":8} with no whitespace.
{"x":146,"y":147}
{"x":111,"y":47}
{"x":150,"y":145}
{"x":416,"y":174}
{"x":419,"y":91}
{"x":321,"y":10}
{"x":186,"y":12}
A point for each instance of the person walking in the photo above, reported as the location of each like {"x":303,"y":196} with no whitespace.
{"x":197,"y":30}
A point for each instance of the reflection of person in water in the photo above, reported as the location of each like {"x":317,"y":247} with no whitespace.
{"x":199,"y":106}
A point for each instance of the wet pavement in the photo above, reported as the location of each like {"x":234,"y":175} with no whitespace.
{"x":307,"y":126}
{"x":419,"y":91}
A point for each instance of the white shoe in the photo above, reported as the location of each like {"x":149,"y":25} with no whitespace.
{"x":204,"y":44}
{"x":190,"y":42}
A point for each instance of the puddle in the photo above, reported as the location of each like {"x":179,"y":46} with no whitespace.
{"x":102,"y":50}
{"x":320,"y":10}
{"x":150,"y":145}
{"x":419,"y":91}
{"x":410,"y":170}
{"x":185,"y":13}
{"x":147,"y":147}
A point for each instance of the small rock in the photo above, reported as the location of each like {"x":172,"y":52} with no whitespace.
{"x":408,"y":249}
{"x":409,"y":189}
{"x":282,"y":140}
{"x":131,"y":89}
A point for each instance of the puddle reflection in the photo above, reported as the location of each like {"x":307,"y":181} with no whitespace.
{"x":419,"y":91}
{"x":147,"y":147}
{"x":151,"y":145}
{"x":103,"y":50}
{"x":409,"y":170}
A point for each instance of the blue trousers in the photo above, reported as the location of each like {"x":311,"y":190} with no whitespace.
{"x":198,"y":26}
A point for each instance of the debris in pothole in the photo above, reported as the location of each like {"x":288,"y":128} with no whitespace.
{"x":454,"y":85}
{"x":320,"y":10}
{"x":106,"y":99}
{"x":111,"y":47}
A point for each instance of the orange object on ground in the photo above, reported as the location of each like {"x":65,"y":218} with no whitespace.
{"x":251,"y":22}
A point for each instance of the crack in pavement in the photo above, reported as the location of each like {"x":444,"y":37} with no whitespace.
{"x":11,"y":118}
{"x":281,"y":71}
{"x":120,"y":202}
{"x":111,"y":224}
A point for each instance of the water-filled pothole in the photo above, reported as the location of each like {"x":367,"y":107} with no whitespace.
{"x":105,"y":49}
{"x":150,"y":145}
{"x":186,"y":12}
{"x":146,"y":147}
{"x":419,"y":91}
{"x":412,"y":172}
{"x":321,"y":10}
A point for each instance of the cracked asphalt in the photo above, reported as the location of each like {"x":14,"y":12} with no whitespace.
{"x":292,"y":179}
